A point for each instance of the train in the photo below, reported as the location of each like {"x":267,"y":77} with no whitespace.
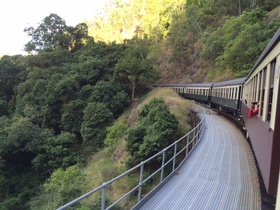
{"x":233,"y":96}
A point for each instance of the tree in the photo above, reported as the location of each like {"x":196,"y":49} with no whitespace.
{"x":236,"y":45}
{"x":10,"y":70}
{"x":16,"y":153}
{"x":155,"y":130}
{"x":50,"y":34}
{"x":62,"y":187}
{"x":17,"y":136}
{"x":114,"y":133}
{"x":72,"y":117}
{"x":53,"y":152}
{"x":53,"y":33}
{"x":138,"y":18}
{"x":79,"y":36}
{"x":112,"y":95}
{"x":135,"y":66}
{"x":96,"y":118}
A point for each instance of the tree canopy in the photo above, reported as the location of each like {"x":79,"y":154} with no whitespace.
{"x":53,"y":33}
{"x":156,"y":129}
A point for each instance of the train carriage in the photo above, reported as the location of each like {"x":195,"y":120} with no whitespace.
{"x":227,"y":95}
{"x":199,"y":92}
{"x":178,"y":88}
{"x":262,"y":85}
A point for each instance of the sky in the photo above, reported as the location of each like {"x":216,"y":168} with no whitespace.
{"x":15,"y":15}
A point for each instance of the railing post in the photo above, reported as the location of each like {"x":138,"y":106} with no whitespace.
{"x":140,"y":181}
{"x":187,"y":146}
{"x":174,"y":155}
{"x":193,"y":139}
{"x":103,"y":196}
{"x":198,"y":132}
{"x":162,"y":164}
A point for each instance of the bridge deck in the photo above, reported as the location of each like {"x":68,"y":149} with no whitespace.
{"x":220,"y":174}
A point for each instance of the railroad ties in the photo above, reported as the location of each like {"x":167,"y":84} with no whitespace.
{"x":220,"y":174}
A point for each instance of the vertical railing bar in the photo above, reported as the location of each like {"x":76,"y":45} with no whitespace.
{"x":187,"y":146}
{"x":103,"y":196}
{"x":193,"y":139}
{"x":162,"y":165}
{"x":197,"y":134}
{"x":140,"y":181}
{"x":174,"y":155}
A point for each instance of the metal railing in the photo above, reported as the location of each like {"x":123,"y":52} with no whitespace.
{"x":180,"y":150}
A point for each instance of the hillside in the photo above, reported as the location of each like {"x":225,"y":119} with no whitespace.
{"x":198,"y":69}
{"x":112,"y":160}
{"x":193,"y":41}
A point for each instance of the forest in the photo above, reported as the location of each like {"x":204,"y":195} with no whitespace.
{"x":63,"y":103}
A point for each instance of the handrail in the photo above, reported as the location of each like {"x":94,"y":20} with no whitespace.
{"x":196,"y":133}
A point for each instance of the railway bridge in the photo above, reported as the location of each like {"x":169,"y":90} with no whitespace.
{"x":218,"y":173}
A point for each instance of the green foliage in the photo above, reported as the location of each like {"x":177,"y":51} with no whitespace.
{"x":53,"y":33}
{"x":114,"y":133}
{"x":49,"y":58}
{"x":54,"y":152}
{"x":134,"y":139}
{"x":96,"y":118}
{"x":135,"y":67}
{"x":49,"y":34}
{"x":60,"y":188}
{"x":112,"y":95}
{"x":138,"y":18}
{"x":16,"y":138}
{"x":239,"y":42}
{"x":10,"y":70}
{"x":155,"y":130}
{"x":72,"y":116}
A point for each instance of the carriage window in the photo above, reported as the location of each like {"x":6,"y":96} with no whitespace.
{"x":263,"y":89}
{"x":260,"y":86}
{"x":272,"y":69}
{"x":226,"y":92}
{"x":236,"y":93}
{"x":255,"y":88}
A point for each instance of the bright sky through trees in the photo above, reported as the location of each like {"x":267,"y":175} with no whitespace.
{"x":16,"y":15}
